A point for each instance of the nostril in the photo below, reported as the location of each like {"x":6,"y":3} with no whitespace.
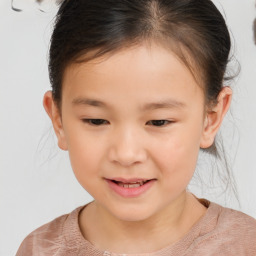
{"x":127,"y":155}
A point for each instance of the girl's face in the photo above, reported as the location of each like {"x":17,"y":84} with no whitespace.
{"x":133,"y":124}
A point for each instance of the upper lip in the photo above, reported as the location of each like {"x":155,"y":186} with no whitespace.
{"x":130,"y":180}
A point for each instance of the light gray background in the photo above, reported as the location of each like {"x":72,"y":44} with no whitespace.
{"x":36,"y":181}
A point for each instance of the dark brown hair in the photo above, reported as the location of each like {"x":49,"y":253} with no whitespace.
{"x":193,"y":29}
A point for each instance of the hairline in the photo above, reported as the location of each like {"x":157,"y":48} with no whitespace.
{"x":170,"y":44}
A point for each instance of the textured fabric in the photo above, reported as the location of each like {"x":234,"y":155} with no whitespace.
{"x":221,"y":231}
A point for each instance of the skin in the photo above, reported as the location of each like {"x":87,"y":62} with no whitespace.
{"x":127,"y":91}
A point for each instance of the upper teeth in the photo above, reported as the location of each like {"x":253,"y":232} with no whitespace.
{"x":131,"y":184}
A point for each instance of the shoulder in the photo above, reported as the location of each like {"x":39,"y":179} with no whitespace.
{"x":50,"y":237}
{"x":228,"y":213}
{"x":236,"y":224}
{"x":231,"y":232}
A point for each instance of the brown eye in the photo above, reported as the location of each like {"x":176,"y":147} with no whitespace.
{"x":95,"y":122}
{"x":158,"y":122}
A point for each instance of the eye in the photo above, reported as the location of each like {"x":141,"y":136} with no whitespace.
{"x":95,"y":122}
{"x":158,"y":122}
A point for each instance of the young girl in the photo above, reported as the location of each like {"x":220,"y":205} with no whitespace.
{"x":137,"y":90}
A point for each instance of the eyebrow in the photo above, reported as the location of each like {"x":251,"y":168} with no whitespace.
{"x":90,"y":102}
{"x":167,"y":104}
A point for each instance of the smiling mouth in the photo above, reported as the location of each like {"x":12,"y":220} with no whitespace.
{"x":130,"y":188}
{"x":130,"y":184}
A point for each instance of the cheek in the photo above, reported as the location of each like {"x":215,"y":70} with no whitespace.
{"x":85,"y":157}
{"x":178,"y":156}
{"x":178,"y":168}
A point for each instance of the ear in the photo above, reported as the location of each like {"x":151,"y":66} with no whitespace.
{"x":214,"y":117}
{"x":55,"y":115}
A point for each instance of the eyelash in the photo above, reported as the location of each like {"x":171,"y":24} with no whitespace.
{"x":99,"y":122}
{"x":159,"y":123}
{"x":95,"y":122}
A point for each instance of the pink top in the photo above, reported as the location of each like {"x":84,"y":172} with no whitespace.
{"x":221,"y":231}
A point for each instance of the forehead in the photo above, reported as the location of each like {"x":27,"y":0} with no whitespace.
{"x":138,"y":73}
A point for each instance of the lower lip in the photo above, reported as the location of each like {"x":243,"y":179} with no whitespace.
{"x":130,"y":192}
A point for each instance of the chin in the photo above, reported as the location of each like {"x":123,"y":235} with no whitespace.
{"x":131,"y":214}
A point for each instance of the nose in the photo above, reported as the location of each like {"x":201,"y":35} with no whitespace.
{"x":127,"y":148}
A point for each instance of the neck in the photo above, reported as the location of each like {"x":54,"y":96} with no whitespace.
{"x":107,"y":232}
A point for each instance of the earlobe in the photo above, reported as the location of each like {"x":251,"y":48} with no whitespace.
{"x":55,"y":116}
{"x":214,"y":117}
